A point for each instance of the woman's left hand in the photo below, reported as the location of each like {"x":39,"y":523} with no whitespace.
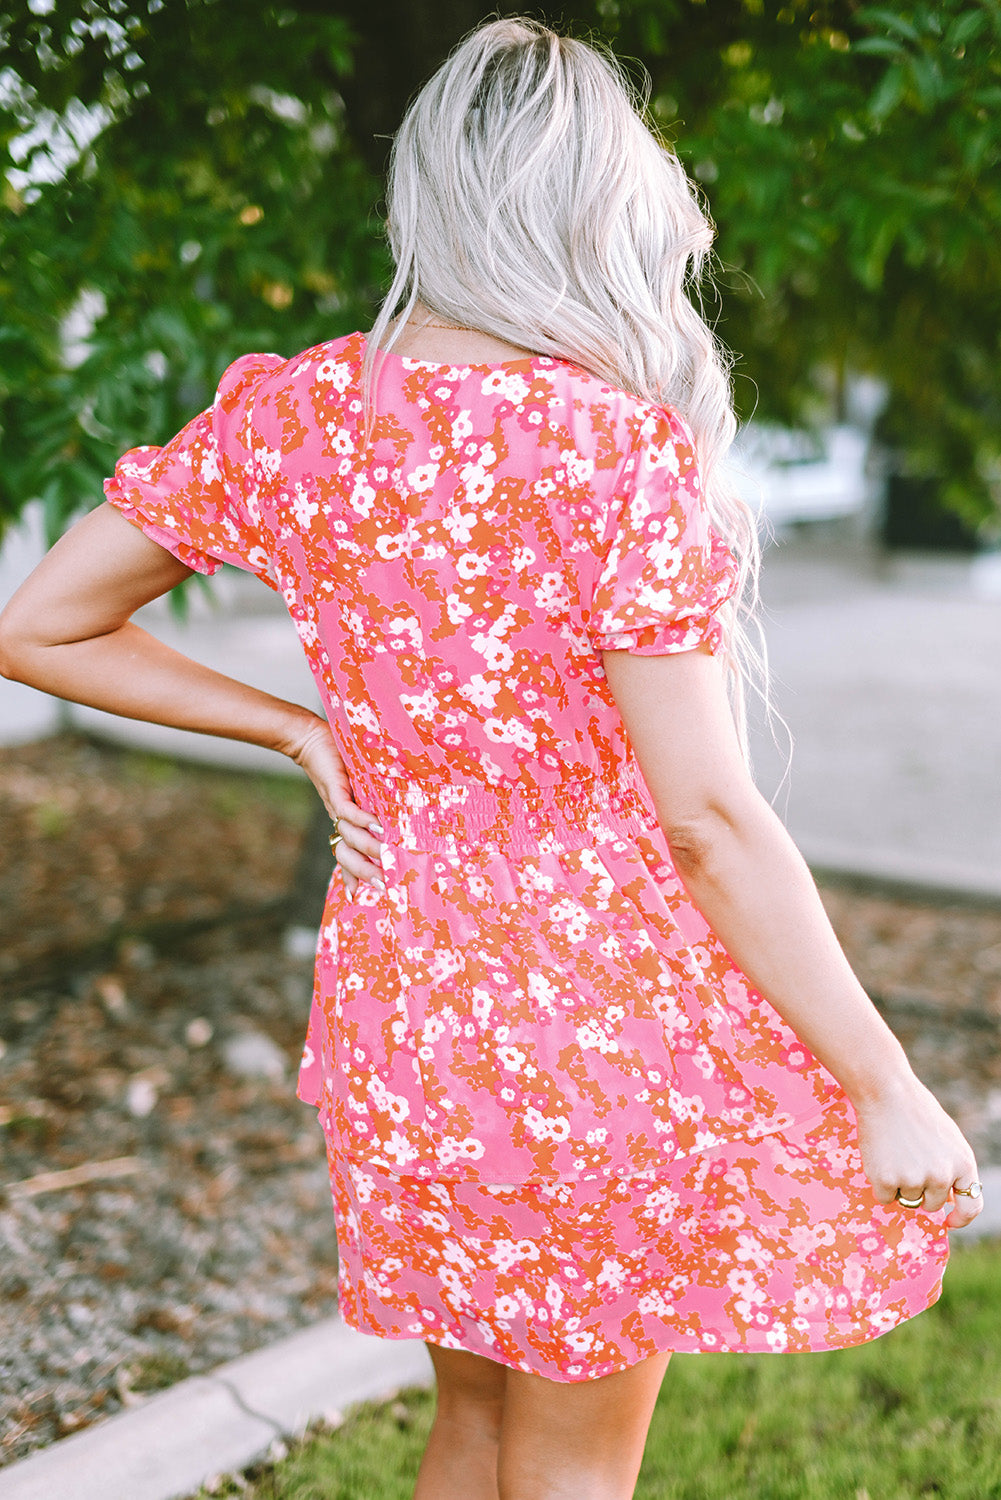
{"x":359,"y":848}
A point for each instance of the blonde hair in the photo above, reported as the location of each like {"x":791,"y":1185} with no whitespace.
{"x":529,"y":198}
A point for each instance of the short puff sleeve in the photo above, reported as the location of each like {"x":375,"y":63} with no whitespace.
{"x":197,"y":495}
{"x":663,"y":572}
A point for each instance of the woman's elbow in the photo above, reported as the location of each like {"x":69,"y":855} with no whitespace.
{"x":12,"y":665}
{"x":698,"y":839}
{"x":15,"y":646}
{"x":694,"y":841}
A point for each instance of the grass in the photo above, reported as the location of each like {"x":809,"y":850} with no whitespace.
{"x":232,"y":793}
{"x":916,"y":1413}
{"x":157,"y":1371}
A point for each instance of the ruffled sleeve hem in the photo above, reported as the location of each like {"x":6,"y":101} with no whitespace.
{"x":196,"y":496}
{"x":681,"y":626}
{"x":125,"y":500}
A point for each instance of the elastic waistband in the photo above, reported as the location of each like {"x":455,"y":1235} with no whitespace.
{"x":514,"y":820}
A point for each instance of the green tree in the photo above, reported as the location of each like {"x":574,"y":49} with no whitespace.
{"x":220,"y":208}
{"x":230,"y":198}
{"x":851,"y":157}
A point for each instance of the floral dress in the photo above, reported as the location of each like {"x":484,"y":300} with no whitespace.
{"x":563,"y":1129}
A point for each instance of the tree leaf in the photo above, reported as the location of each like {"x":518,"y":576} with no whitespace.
{"x":887,"y":94}
{"x":879,"y":46}
{"x":927,"y":78}
{"x":964,"y":28}
{"x":890,"y":20}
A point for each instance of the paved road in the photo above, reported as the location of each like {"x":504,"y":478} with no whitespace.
{"x":891,"y":687}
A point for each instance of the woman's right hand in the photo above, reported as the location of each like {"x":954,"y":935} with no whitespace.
{"x":313,"y":747}
{"x":912,"y":1147}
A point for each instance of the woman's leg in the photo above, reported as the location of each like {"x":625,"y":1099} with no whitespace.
{"x":499,"y":1434}
{"x":576,"y":1442}
{"x":460,"y":1460}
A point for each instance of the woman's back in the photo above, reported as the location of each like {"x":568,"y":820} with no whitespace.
{"x":455,"y":577}
{"x":537,"y":966}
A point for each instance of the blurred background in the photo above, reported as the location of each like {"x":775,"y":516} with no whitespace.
{"x":179,"y":189}
{"x":188,"y":180}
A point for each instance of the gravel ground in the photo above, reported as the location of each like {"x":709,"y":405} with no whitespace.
{"x":130,"y":1036}
{"x":153,"y":1015}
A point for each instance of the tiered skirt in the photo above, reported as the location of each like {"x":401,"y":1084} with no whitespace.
{"x":773,"y":1245}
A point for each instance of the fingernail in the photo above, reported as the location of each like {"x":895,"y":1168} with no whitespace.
{"x":380,"y":885}
{"x":377,"y":828}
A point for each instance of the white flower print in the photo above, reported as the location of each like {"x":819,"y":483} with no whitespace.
{"x":459,"y":525}
{"x":422,"y":478}
{"x":420,"y":705}
{"x":304,"y":507}
{"x":480,"y":691}
{"x":388,"y":546}
{"x":579,"y":470}
{"x":612,"y":1275}
{"x":362,"y":497}
{"x":550,"y":592}
{"x":505,"y":383}
{"x":457,"y":609}
{"x":471,"y":565}
{"x":496,"y":653}
{"x":479,"y":485}
{"x":543,"y":1127}
{"x":592,"y":1036}
{"x":210,"y":471}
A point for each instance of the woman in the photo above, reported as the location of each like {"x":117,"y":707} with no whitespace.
{"x":597,"y":1082}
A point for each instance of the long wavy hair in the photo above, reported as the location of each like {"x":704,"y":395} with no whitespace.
{"x":530,"y":197}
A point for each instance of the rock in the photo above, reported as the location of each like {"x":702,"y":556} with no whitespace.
{"x":198,"y":1032}
{"x":251,"y":1054}
{"x":111,"y":993}
{"x":135,"y":954}
{"x":300,"y":943}
{"x":140,"y":1097}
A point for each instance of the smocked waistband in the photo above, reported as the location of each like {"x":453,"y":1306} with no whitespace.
{"x":512,"y":819}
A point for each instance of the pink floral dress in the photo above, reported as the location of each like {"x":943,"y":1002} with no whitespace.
{"x":563,"y":1130}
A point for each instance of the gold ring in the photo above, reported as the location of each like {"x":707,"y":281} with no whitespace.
{"x":335,"y":838}
{"x":910,"y":1202}
{"x":975,"y":1190}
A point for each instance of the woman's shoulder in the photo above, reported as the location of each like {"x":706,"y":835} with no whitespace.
{"x":571,"y":378}
{"x":270,"y":379}
{"x":318,"y":362}
{"x":638,"y":421}
{"x":542,"y":387}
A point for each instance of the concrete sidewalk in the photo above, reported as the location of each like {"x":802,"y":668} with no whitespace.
{"x":170,"y":1444}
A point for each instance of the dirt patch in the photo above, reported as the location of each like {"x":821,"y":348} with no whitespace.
{"x":99,"y":842}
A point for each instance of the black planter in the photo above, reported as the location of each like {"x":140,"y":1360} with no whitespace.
{"x":914,"y":517}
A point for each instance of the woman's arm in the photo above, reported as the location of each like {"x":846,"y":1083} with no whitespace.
{"x":68,"y":631}
{"x":751,"y":884}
